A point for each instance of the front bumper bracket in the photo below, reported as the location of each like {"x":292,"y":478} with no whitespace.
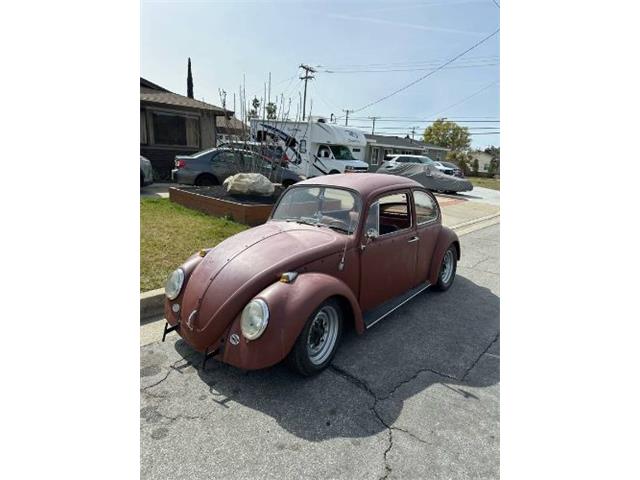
{"x":169,"y":329}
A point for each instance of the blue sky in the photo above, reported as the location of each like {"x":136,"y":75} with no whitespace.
{"x":226,"y":39}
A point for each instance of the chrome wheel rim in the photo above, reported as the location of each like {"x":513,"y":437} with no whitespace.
{"x":322,"y":335}
{"x":447,"y":267}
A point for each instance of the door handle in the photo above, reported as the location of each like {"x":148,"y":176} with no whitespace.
{"x":414,"y":239}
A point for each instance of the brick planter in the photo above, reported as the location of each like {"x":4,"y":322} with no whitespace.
{"x":248,"y":213}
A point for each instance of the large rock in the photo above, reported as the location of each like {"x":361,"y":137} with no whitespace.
{"x":249,"y":184}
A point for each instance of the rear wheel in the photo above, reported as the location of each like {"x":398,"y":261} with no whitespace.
{"x":318,"y":342}
{"x":447,"y":269}
{"x":206,"y":180}
{"x":287,"y":183}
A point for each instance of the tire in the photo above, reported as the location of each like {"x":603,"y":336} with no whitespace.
{"x":287,"y":183}
{"x":206,"y":181}
{"x":334,"y":172}
{"x":447,"y":273}
{"x":311,"y":354}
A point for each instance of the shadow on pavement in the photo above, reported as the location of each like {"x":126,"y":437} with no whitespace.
{"x":438,"y":338}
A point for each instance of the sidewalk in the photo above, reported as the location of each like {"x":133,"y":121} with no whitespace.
{"x":458,"y":211}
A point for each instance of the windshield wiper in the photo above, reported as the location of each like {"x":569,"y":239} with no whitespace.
{"x":338,"y":228}
{"x":303,"y":220}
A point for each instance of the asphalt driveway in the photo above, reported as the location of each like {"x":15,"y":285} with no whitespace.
{"x":417,"y":396}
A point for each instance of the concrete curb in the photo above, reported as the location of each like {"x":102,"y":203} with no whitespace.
{"x":476,"y":224}
{"x":474,"y":221}
{"x":151,"y":304}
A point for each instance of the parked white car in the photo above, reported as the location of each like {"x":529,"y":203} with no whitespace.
{"x":423,"y":159}
{"x":146,"y":172}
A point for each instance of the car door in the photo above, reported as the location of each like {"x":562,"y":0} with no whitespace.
{"x":389,"y":254}
{"x":225,"y":164}
{"x":428,"y":225}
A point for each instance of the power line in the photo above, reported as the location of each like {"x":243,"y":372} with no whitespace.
{"x":476,"y":45}
{"x":405,"y":64}
{"x":420,"y":120}
{"x":454,"y":67}
{"x":467,"y":98}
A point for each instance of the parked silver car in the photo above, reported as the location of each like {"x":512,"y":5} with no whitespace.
{"x":212,"y":167}
{"x":146,"y":172}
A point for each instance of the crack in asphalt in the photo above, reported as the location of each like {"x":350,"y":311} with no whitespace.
{"x":414,"y":376}
{"x":157,"y":383}
{"x":362,"y":385}
{"x":480,"y":356}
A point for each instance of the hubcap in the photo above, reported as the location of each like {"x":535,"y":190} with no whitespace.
{"x":447,"y":267}
{"x":322,"y":334}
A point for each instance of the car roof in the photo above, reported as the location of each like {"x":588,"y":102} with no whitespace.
{"x":364,"y":183}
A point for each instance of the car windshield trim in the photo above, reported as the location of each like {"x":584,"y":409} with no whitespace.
{"x":349,"y":228}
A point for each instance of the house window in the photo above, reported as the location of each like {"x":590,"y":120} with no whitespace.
{"x":172,"y":129}
{"x":374,"y":156}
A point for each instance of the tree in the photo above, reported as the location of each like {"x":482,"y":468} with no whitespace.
{"x":476,"y":166}
{"x":450,"y":135}
{"x":189,"y":80}
{"x":494,"y":164}
{"x":255,"y":103}
{"x":271,"y":111}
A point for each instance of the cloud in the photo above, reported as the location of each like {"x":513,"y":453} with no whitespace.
{"x":401,"y":24}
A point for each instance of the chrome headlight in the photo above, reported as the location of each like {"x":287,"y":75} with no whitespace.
{"x":255,"y":318}
{"x":174,"y":284}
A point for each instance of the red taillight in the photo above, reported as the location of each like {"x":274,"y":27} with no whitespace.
{"x":180,"y":163}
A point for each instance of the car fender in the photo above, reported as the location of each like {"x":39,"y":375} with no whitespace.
{"x":290,"y":305}
{"x":188,"y":267}
{"x":446,"y":237}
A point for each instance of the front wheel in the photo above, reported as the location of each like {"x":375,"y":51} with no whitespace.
{"x":447,"y":269}
{"x":317,"y":343}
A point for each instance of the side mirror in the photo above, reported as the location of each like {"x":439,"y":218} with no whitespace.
{"x":371,"y":234}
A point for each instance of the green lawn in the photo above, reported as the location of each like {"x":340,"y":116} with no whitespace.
{"x":169,"y":233}
{"x":491,"y":183}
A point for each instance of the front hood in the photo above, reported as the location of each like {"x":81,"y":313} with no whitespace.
{"x":236,"y":270}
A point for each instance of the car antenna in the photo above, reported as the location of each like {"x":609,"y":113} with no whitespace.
{"x":344,"y":251}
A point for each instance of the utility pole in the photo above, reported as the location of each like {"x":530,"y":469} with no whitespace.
{"x":307,"y":69}
{"x":413,"y":132}
{"x":346,"y":118}
{"x":373,"y":127}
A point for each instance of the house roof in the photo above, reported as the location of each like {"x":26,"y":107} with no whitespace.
{"x":227,"y":125}
{"x":152,"y":93}
{"x":400,"y":142}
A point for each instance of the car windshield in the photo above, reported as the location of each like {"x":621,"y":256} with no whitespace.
{"x":341,"y":152}
{"x":425,"y":160}
{"x":334,"y":208}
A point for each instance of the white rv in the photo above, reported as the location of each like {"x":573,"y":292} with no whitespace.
{"x":314,"y":147}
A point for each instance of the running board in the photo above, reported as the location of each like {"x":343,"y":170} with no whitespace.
{"x":372,"y":317}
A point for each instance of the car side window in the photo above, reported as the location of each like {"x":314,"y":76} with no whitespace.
{"x":426,"y":209}
{"x":226,"y":157}
{"x":389,"y":214}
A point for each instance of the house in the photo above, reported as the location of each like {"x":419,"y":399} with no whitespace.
{"x":379,"y":146}
{"x":484,"y":160}
{"x":230,"y":129}
{"x":172,"y":124}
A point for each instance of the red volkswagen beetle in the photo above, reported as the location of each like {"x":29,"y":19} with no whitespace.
{"x":337,"y":249}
